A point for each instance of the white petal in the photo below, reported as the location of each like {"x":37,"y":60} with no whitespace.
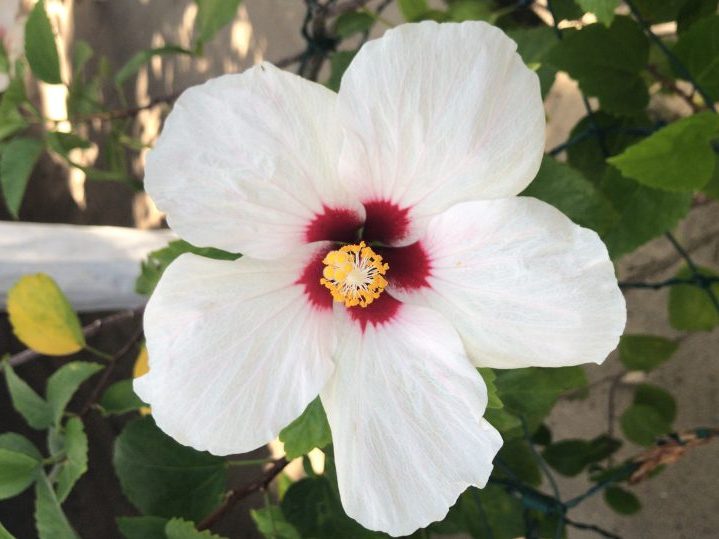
{"x":246,"y":162}
{"x":236,"y":351}
{"x":405,"y":407}
{"x":523,"y":285}
{"x":435,"y":114}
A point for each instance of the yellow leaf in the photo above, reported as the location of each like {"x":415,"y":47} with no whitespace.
{"x":141,"y":367}
{"x":42,"y":318}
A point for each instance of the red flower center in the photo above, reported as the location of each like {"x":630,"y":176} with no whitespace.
{"x":386,"y":223}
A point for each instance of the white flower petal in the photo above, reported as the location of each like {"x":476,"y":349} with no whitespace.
{"x":436,"y":114}
{"x":523,"y":285}
{"x":405,"y":406}
{"x":247,"y":162}
{"x":236,"y":351}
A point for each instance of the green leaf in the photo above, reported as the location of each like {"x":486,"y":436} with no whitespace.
{"x":65,"y":381}
{"x":518,"y":457}
{"x":659,"y":399}
{"x":690,"y":308}
{"x":120,"y":398}
{"x":142,"y":57}
{"x":163,"y":478}
{"x":678,"y":157}
{"x":63,"y":143}
{"x":353,"y":22}
{"x":602,"y":9}
{"x":182,"y":529}
{"x":602,"y":447}
{"x":644,"y":212}
{"x":566,"y":10}
{"x":659,"y":10}
{"x":531,"y":392}
{"x":311,"y":506}
{"x":493,"y":398}
{"x":19,"y":444}
{"x":11,"y":121}
{"x":642,"y":424}
{"x":75,"y":464}
{"x":211,"y":16}
{"x":4,"y":534}
{"x":271,"y":523}
{"x":29,"y":404}
{"x":606,"y":62}
{"x":18,"y":160}
{"x":308,"y":431}
{"x":40,"y":47}
{"x":622,"y":501}
{"x":570,"y":192}
{"x":693,"y":11}
{"x":157,"y":261}
{"x":505,"y":422}
{"x":50,"y":521}
{"x":413,"y":10}
{"x":142,"y":527}
{"x":17,"y":472}
{"x":339,"y":62}
{"x":534,"y":45}
{"x":568,"y":457}
{"x":645,"y":352}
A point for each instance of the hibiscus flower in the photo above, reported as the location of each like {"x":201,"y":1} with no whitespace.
{"x":386,"y":256}
{"x":12,"y":35}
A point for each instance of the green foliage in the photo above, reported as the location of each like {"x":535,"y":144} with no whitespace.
{"x":521,"y":461}
{"x":642,"y":424}
{"x":308,"y":431}
{"x":678,"y":157}
{"x":312,"y":507}
{"x":64,"y":382}
{"x":622,"y":501}
{"x":120,"y":398}
{"x":603,"y":9}
{"x":212,"y":15}
{"x":534,"y":45}
{"x":493,"y":400}
{"x":74,"y":465}
{"x":271,"y":523}
{"x":30,"y":405}
{"x":40,"y":46}
{"x":693,"y":11}
{"x":413,"y":10}
{"x":339,"y":62}
{"x":19,"y":444}
{"x":142,"y":527}
{"x":50,"y":520}
{"x":645,"y":213}
{"x":141,"y":58}
{"x":659,"y":399}
{"x":163,"y":478}
{"x":698,"y":50}
{"x":182,"y":529}
{"x":690,"y":308}
{"x":570,"y":457}
{"x":17,"y":472}
{"x":351,"y":23}
{"x":17,"y":161}
{"x":607,"y":63}
{"x":157,"y":261}
{"x":531,"y":392}
{"x":645,"y":352}
{"x":570,"y":192}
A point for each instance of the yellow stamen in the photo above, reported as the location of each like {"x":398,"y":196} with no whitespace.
{"x":354,"y":274}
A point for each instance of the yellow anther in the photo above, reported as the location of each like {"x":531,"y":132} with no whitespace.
{"x":354,"y":274}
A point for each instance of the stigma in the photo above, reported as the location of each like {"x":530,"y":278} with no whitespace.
{"x":354,"y":274}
